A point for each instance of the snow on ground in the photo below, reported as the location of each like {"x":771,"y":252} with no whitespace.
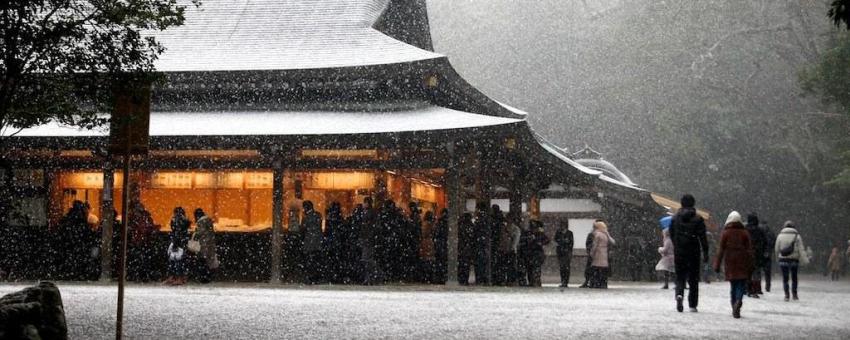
{"x":625,"y":311}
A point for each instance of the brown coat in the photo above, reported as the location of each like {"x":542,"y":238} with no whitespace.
{"x":735,"y":252}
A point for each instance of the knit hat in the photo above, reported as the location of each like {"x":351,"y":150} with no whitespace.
{"x":734,"y":217}
{"x":688,"y":201}
{"x":789,"y":224}
{"x":752,"y":219}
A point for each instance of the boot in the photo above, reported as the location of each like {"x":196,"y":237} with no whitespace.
{"x":736,"y":309}
{"x":795,"y":296}
{"x":679,"y":306}
{"x":786,"y":297}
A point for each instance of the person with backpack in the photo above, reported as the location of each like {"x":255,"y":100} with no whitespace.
{"x":791,"y":253}
{"x":690,"y":245}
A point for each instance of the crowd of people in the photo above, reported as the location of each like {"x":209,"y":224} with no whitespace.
{"x":371,"y":246}
{"x":745,"y":254}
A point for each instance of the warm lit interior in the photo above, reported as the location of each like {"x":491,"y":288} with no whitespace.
{"x":241,"y":200}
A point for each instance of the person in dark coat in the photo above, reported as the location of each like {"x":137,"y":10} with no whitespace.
{"x":177,"y":252}
{"x":690,"y":246}
{"x":588,"y":244}
{"x":410,"y":241}
{"x":441,"y":247}
{"x":369,"y":240}
{"x":536,"y":253}
{"x":497,"y":263}
{"x":482,"y":227}
{"x":770,"y":237}
{"x":349,"y":246}
{"x":312,"y":225}
{"x":564,"y":242}
{"x":332,"y":242}
{"x":388,"y":249}
{"x":77,"y":239}
{"x":141,"y":246}
{"x":465,"y":248}
{"x":759,"y":242}
{"x":735,"y":252}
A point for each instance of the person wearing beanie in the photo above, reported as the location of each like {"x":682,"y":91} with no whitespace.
{"x":735,"y":252}
{"x":791,"y":253}
{"x":690,"y":245}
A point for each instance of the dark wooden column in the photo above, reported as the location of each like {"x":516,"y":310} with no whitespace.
{"x":277,"y":219}
{"x":107,"y":217}
{"x":454,"y":204}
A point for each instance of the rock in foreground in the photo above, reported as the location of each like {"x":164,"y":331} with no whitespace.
{"x":33,"y":313}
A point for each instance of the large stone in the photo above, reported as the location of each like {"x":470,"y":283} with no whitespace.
{"x":33,"y":313}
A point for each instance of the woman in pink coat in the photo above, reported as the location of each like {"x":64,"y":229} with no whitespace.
{"x":599,"y":255}
{"x":667,"y":264}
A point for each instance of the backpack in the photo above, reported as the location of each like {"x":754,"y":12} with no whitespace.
{"x":789,"y":249}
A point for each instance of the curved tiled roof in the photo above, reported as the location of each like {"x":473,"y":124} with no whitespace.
{"x":232,"y":35}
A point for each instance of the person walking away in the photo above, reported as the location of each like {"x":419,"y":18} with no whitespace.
{"x":508,"y":241}
{"x":736,"y":253}
{"x":834,"y":264}
{"x":312,"y":225}
{"x":759,"y":242}
{"x":441,"y":247}
{"x":770,"y":242}
{"x":564,"y":250}
{"x":588,"y":244}
{"x":179,"y":237}
{"x":208,"y":262}
{"x":482,"y":226}
{"x":790,"y":253}
{"x":667,"y":265}
{"x":687,"y":230}
{"x":465,"y":248}
{"x":599,"y":255}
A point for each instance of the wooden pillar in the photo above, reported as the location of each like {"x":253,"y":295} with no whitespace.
{"x":107,"y":217}
{"x":454,"y":204}
{"x":534,"y":206}
{"x":277,"y":219}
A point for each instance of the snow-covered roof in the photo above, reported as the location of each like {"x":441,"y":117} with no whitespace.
{"x":231,"y":35}
{"x":559,"y":153}
{"x":608,"y":169}
{"x":251,"y":123}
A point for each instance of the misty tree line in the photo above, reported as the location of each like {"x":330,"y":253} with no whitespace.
{"x":702,"y":97}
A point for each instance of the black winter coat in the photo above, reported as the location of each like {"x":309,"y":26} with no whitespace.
{"x":687,"y":231}
{"x":759,"y":244}
{"x":564,"y":240}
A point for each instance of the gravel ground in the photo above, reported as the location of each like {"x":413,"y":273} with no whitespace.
{"x":625,"y":311}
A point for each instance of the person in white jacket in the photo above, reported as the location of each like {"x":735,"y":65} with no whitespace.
{"x":791,"y":253}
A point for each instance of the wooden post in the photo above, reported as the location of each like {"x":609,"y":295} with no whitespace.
{"x":107,"y":217}
{"x":122,"y":254}
{"x":277,"y":219}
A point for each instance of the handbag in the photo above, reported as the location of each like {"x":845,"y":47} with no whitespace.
{"x":789,"y":249}
{"x":193,"y":246}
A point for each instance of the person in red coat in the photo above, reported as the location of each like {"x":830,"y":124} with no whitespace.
{"x":736,"y":254}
